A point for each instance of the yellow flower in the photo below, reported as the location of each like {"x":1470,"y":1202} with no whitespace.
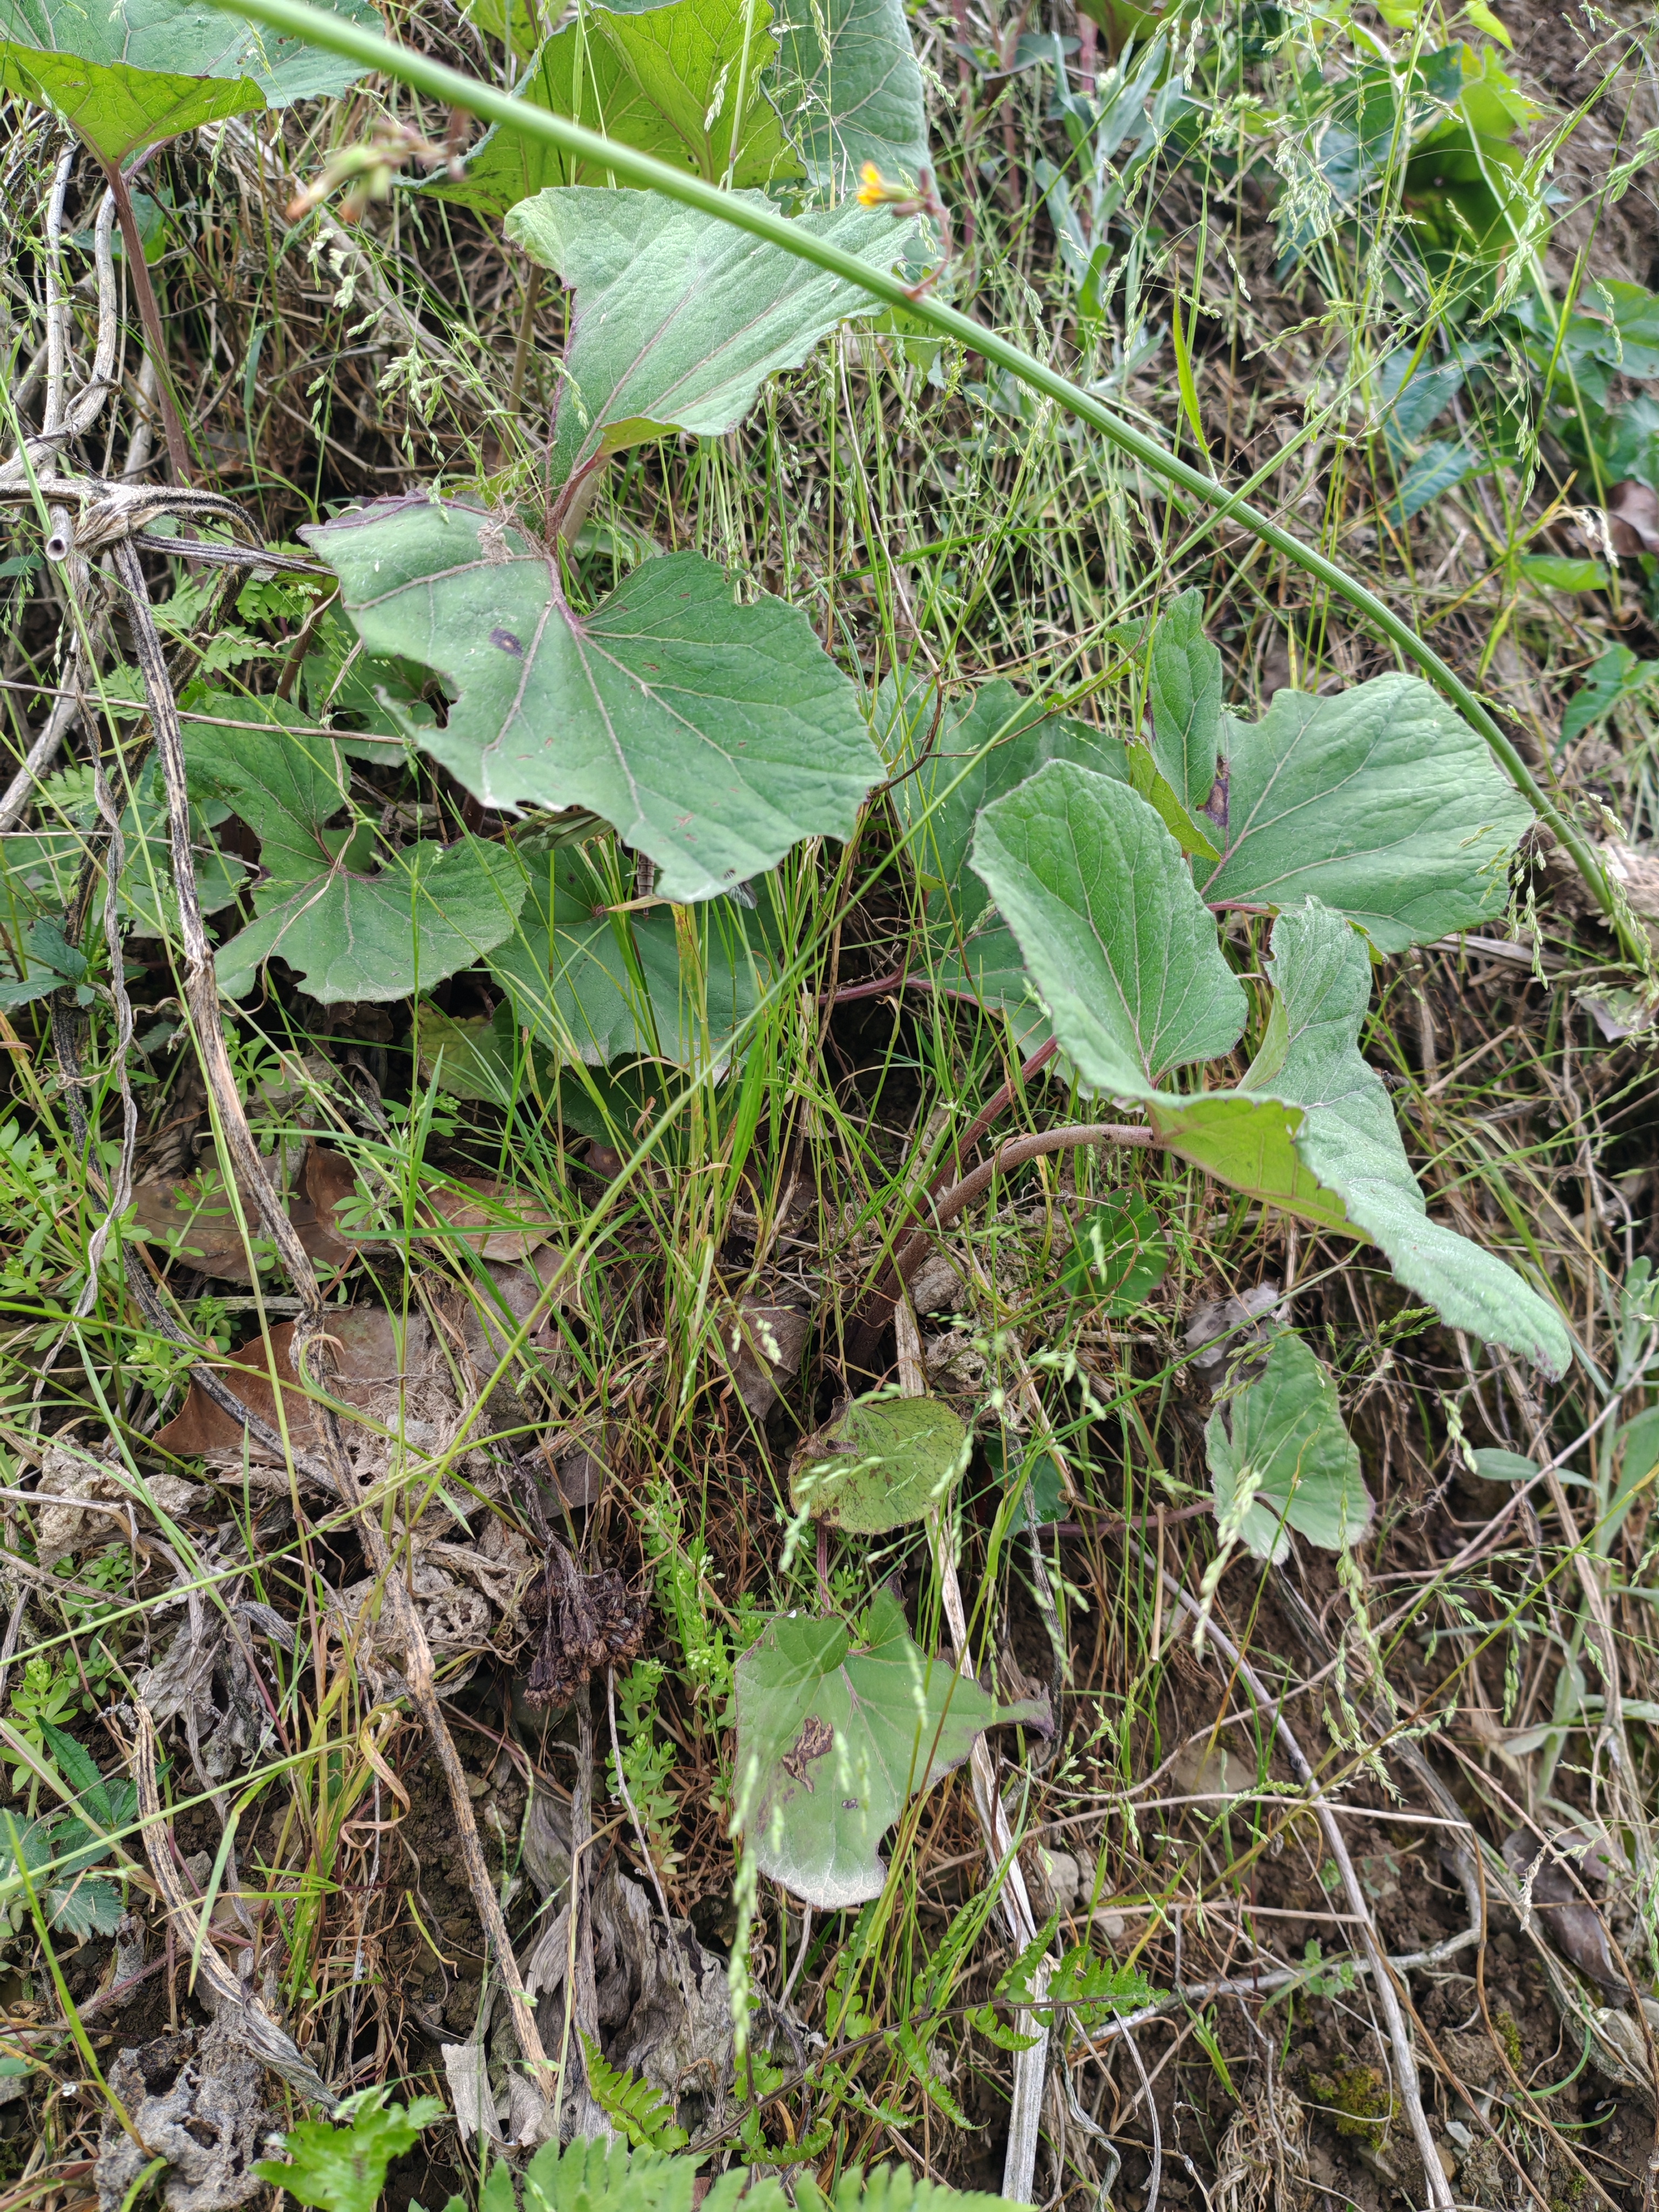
{"x":874,"y":190}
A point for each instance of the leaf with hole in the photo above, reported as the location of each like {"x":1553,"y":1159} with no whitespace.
{"x":882,"y":1463}
{"x":1119,"y":1254}
{"x":852,"y":88}
{"x":679,"y":319}
{"x":665,"y":79}
{"x":598,"y":986}
{"x":839,"y":1725}
{"x":1282,"y":1458}
{"x":711,"y":736}
{"x":126,"y":73}
{"x":1379,"y":801}
{"x":353,"y":922}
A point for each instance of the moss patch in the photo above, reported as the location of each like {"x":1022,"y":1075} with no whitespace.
{"x":1356,"y":2100}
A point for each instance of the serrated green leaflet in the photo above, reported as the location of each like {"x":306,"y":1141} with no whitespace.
{"x":838,"y":1726}
{"x":1382,"y":802}
{"x":679,"y":319}
{"x":884,"y":1464}
{"x":711,"y":736}
{"x":354,"y":919}
{"x":1184,"y":693}
{"x":854,"y":89}
{"x":664,"y":79}
{"x":1282,"y":1458}
{"x":125,"y":73}
{"x":598,"y":986}
{"x":1118,"y":942}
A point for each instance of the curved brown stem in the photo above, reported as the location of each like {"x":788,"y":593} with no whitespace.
{"x":877,"y":1309}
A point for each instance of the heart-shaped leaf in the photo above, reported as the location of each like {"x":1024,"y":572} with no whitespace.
{"x":598,"y":986}
{"x":1282,"y":1458}
{"x":1125,"y":957}
{"x":854,"y":89}
{"x":125,"y":72}
{"x":885,"y":1462}
{"x":679,"y":319}
{"x":711,"y":736}
{"x":1380,"y":802}
{"x":353,"y":922}
{"x":664,"y":79}
{"x":838,"y":1726}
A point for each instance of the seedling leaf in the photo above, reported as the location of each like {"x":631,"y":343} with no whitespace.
{"x":712,"y":736}
{"x":1280,"y":1458}
{"x":837,"y":1727}
{"x":883,"y":1463}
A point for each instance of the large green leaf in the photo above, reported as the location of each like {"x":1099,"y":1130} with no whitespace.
{"x":39,"y":868}
{"x":881,"y":1465}
{"x":1184,"y":693}
{"x":711,"y":736}
{"x":1350,"y":1140}
{"x":838,"y":1726}
{"x":599,"y":987}
{"x":1282,"y":1458}
{"x":943,"y":776}
{"x":125,"y":73}
{"x":354,"y":918}
{"x":1381,"y":801}
{"x":662,"y":78}
{"x":1125,"y":959}
{"x":1118,"y":943}
{"x":679,"y":319}
{"x":854,"y":88}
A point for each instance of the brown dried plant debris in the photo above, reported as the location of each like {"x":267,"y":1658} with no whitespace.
{"x":588,"y":1622}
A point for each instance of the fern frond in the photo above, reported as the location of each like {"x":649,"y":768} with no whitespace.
{"x":645,"y":2116}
